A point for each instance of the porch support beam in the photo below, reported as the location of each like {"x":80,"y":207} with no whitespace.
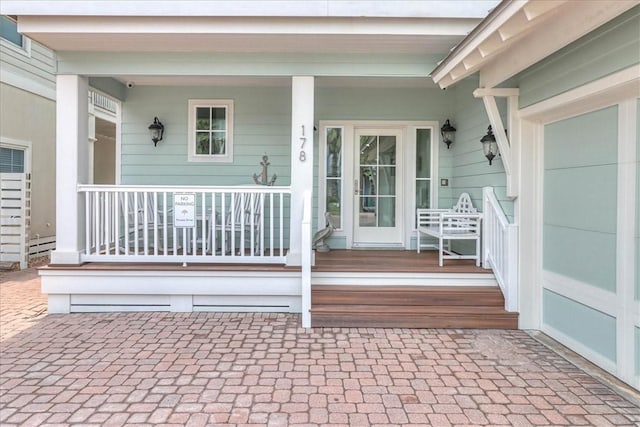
{"x":509,"y":146}
{"x":72,"y":133}
{"x":302,"y":101}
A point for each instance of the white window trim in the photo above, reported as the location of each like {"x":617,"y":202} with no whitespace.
{"x":191,"y":145}
{"x":25,"y":49}
{"x":17,"y":144}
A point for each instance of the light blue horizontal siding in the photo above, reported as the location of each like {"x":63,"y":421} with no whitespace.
{"x":470,"y":169}
{"x":612,"y":47}
{"x":580,"y":198}
{"x":590,"y":327}
{"x":261,"y":126}
{"x":246,"y":64}
{"x":38,"y":64}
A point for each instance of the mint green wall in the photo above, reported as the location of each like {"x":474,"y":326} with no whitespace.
{"x":580,"y":198}
{"x":469,"y":168}
{"x":612,"y":47}
{"x":262,"y":125}
{"x":590,"y":327}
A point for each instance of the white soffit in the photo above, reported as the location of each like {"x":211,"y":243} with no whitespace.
{"x":215,"y":34}
{"x":519,"y":33}
{"x":476,"y":9}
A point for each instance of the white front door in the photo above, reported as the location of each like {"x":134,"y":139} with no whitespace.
{"x":378,"y":181}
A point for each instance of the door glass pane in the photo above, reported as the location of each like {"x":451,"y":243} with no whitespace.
{"x":386,"y":212}
{"x":422,"y":194}
{"x":367,"y":212}
{"x":333,"y":202}
{"x":334,"y":152}
{"x":368,"y":150}
{"x":368,"y":181}
{"x":387,"y":180}
{"x":387,"y":150}
{"x":423,"y":153}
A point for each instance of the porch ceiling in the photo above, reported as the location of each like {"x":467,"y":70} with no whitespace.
{"x":247,"y":35}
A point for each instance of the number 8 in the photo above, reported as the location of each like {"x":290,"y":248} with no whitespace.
{"x":303,"y":156}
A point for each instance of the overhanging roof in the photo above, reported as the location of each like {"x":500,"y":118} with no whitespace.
{"x":313,"y":26}
{"x":519,"y":33}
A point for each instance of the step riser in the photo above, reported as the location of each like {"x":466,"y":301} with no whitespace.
{"x":346,"y":298}
{"x":400,"y":321}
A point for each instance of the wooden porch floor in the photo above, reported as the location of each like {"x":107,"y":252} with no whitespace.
{"x":390,"y":261}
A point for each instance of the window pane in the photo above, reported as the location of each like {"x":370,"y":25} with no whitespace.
{"x":9,"y":31}
{"x":387,"y":180}
{"x":387,"y":150}
{"x":11,"y":160}
{"x":218,"y":118}
{"x":423,"y":196}
{"x":386,"y":211}
{"x":202,"y":143}
{"x":367,"y":214}
{"x":368,"y":150}
{"x":219,"y":142}
{"x":334,"y":152}
{"x":333,"y":202}
{"x":368,"y":181}
{"x":423,"y":153}
{"x":202,"y":118}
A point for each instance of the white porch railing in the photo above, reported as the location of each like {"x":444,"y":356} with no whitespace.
{"x":126,"y":223}
{"x":500,"y":248}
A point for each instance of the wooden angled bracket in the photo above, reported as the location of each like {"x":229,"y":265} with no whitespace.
{"x":509,"y":146}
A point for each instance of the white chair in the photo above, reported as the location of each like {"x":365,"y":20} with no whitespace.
{"x":243,"y":220}
{"x":145,"y":219}
{"x":462,"y":222}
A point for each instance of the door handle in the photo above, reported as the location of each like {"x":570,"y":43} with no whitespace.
{"x":355,"y":187}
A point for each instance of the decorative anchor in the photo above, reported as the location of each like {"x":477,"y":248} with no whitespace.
{"x":263,"y":178}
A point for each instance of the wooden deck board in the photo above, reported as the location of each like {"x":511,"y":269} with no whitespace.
{"x":391,"y":261}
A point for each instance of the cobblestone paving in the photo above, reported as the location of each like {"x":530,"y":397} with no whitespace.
{"x":261,"y":369}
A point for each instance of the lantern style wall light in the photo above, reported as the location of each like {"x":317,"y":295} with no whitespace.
{"x":448,"y":133}
{"x":157,"y":131}
{"x":489,"y":145}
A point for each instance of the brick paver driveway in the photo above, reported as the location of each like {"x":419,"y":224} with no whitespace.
{"x":261,"y":369}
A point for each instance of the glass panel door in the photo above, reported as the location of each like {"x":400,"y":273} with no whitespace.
{"x":378,"y":187}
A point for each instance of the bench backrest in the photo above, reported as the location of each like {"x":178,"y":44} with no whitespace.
{"x":464,"y":205}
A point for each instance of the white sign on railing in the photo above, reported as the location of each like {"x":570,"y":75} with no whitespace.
{"x":184,"y":208}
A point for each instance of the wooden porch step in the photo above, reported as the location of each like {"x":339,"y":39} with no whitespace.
{"x":479,"y":307}
{"x":408,"y":295}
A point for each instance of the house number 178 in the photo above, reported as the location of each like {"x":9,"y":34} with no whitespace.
{"x":303,"y":155}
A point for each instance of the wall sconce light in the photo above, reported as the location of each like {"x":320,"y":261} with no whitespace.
{"x":448,"y":133}
{"x":489,"y":145}
{"x":157,"y":131}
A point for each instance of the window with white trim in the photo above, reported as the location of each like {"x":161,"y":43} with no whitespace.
{"x":9,"y":31}
{"x":12,"y":160}
{"x":210,"y":130}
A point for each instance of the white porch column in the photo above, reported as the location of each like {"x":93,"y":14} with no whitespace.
{"x":302,"y":100}
{"x":72,"y":159}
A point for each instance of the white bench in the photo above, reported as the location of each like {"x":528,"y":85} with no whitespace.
{"x":462,"y":222}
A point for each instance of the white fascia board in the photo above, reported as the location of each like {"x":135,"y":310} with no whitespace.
{"x":294,"y":8}
{"x":221,"y":25}
{"x":482,"y":32}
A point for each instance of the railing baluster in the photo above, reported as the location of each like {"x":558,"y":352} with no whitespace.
{"x":213,"y":224}
{"x":155,"y":223}
{"x":116,"y":227}
{"x":87,"y":223}
{"x":145,"y":222}
{"x":270,"y":224}
{"x":281,"y":224}
{"x":107,"y":224}
{"x":203,"y":224}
